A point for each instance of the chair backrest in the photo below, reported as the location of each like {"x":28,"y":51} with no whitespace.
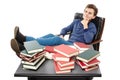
{"x":99,"y":22}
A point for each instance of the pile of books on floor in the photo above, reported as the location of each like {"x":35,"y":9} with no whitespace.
{"x":33,"y":55}
{"x":87,"y":59}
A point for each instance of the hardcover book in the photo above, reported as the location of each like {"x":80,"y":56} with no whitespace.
{"x":91,"y":68}
{"x":81,"y":46}
{"x":25,"y":53}
{"x":33,"y":62}
{"x":63,"y":63}
{"x":60,"y":57}
{"x":58,"y":71}
{"x":66,"y":67}
{"x":66,"y":50}
{"x":33,"y":46}
{"x":89,"y":64}
{"x":34,"y":67}
{"x":88,"y":55}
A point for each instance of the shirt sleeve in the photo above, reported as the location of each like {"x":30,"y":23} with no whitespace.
{"x":89,"y":33}
{"x":68,"y":28}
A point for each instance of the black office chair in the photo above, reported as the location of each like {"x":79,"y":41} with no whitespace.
{"x":99,"y":22}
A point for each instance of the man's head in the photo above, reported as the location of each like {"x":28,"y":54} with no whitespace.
{"x":90,"y":12}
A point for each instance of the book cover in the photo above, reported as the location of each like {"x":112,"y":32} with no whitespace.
{"x":60,"y":57}
{"x":58,"y":71}
{"x":81,"y":46}
{"x":33,"y":46}
{"x":34,"y":67}
{"x":88,"y":55}
{"x":66,"y":50}
{"x":63,"y":63}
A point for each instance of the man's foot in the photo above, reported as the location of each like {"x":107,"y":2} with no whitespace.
{"x":16,"y":31}
{"x":18,"y":36}
{"x":15,"y":47}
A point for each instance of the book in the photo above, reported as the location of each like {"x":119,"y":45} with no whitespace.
{"x":34,"y":67}
{"x":91,"y":68}
{"x":88,"y":55}
{"x":58,"y":71}
{"x":33,"y":62}
{"x":89,"y":64}
{"x":49,"y":49}
{"x":33,"y":46}
{"x":63,"y":63}
{"x":68,"y":67}
{"x":60,"y":57}
{"x":35,"y":57}
{"x":81,"y":46}
{"x":25,"y":53}
{"x":66,"y":50}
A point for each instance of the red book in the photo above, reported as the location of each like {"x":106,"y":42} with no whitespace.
{"x":81,"y":46}
{"x":60,"y":57}
{"x":49,"y":49}
{"x":89,"y":64}
{"x":91,"y":68}
{"x":66,"y":50}
{"x":58,"y":71}
{"x":63,"y":63}
{"x":68,"y":67}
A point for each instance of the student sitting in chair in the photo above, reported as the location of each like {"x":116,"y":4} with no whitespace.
{"x":82,"y":31}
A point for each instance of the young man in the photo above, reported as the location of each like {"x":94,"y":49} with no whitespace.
{"x":82,"y":31}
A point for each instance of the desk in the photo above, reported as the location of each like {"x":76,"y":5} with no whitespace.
{"x":46,"y":71}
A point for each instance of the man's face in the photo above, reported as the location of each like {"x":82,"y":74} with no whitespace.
{"x":88,"y":14}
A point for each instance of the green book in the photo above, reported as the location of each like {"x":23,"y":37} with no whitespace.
{"x":88,"y":55}
{"x":33,"y":47}
{"x":25,"y":53}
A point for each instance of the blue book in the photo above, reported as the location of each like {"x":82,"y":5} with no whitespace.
{"x":33,"y":47}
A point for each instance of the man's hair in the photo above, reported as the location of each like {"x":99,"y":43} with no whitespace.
{"x":92,"y":6}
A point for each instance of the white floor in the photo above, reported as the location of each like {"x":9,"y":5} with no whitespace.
{"x":37,"y":18}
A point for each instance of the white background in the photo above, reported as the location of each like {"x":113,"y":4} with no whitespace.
{"x":39,"y":17}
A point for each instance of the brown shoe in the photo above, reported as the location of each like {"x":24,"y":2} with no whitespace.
{"x":18,"y":35}
{"x":15,"y":46}
{"x":16,"y":31}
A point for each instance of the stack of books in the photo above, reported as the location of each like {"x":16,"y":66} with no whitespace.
{"x":63,"y":58}
{"x":87,"y":60}
{"x":33,"y":55}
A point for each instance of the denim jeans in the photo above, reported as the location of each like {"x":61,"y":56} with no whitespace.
{"x":49,"y":40}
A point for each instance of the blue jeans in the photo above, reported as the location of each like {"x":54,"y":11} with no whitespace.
{"x":49,"y":40}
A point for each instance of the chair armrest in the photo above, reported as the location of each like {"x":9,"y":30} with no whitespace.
{"x":95,"y":42}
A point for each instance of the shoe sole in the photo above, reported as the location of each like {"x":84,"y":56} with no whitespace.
{"x":16,"y":30}
{"x":15,"y":46}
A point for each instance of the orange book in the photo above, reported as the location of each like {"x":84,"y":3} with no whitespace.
{"x":66,"y":50}
{"x":58,"y":71}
